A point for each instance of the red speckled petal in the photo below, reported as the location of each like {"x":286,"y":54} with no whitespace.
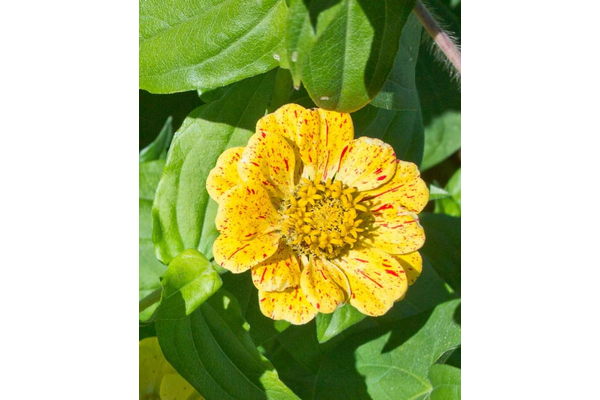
{"x":366,"y":163}
{"x":412,"y":264}
{"x":336,"y":133}
{"x":406,"y":188}
{"x":240,"y":255}
{"x":224,"y":175}
{"x":395,"y":229}
{"x":325,"y":286}
{"x":269,"y":161}
{"x":290,"y":305}
{"x":278,"y":272}
{"x":246,"y":211}
{"x":376,"y":279}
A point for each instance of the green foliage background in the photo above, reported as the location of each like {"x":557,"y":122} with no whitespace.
{"x":208,"y":71}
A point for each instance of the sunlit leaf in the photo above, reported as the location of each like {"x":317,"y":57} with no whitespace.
{"x":205,"y":44}
{"x":345,"y":49}
{"x":150,"y":269}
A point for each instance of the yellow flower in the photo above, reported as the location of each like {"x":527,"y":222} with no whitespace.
{"x":158,"y":379}
{"x":319,"y":217}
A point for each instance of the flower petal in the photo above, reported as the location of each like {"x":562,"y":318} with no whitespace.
{"x":240,"y":255}
{"x":376,"y":279}
{"x":336,"y":133}
{"x":224,"y":175}
{"x":278,"y":272}
{"x":245,"y":211}
{"x":325,"y":286}
{"x":395,"y":230}
{"x":270,"y":161}
{"x":285,"y":121}
{"x":406,"y":188}
{"x":290,"y":305}
{"x":412,"y":263}
{"x":366,"y":163}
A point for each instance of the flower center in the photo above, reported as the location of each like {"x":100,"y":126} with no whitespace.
{"x":322,"y":219}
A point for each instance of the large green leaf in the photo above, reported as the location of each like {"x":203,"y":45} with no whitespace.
{"x":205,"y":44}
{"x":445,"y":382}
{"x":150,"y":269}
{"x":400,"y":89}
{"x":188,"y":282}
{"x":183,"y":214}
{"x":402,"y":129}
{"x":442,"y":246}
{"x":442,"y":139}
{"x":344,"y":50}
{"x":158,"y":148}
{"x":213,"y":351}
{"x":450,"y":205}
{"x":390,"y":362}
{"x":262,"y":328}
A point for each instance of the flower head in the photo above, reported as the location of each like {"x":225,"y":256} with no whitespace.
{"x":319,"y":217}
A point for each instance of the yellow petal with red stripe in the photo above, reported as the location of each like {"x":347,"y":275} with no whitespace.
{"x":290,"y":305}
{"x":309,"y":136}
{"x":240,"y":255}
{"x":376,"y":279}
{"x":336,"y":133}
{"x":406,"y":188}
{"x":246,"y":211}
{"x":269,"y":160}
{"x":366,"y":163}
{"x":224,"y":175}
{"x":395,"y":229}
{"x":285,"y":121}
{"x":278,"y":272}
{"x":325,"y":286}
{"x":412,"y":263}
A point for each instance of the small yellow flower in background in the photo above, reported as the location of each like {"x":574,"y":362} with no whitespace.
{"x":158,"y":379}
{"x":319,"y":217}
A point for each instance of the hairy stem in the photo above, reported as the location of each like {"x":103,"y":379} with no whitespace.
{"x":152,"y":298}
{"x":440,"y":37}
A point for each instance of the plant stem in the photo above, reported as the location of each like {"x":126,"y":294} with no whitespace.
{"x":440,"y":37}
{"x":152,"y":298}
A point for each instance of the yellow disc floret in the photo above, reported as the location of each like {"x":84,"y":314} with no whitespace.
{"x":322,"y":219}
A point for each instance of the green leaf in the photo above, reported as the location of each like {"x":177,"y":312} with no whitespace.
{"x":400,"y":89}
{"x":345,"y":49}
{"x":436,"y":193}
{"x":391,"y":359}
{"x":212,"y":350}
{"x":183,"y":214}
{"x":158,"y":148}
{"x":150,"y":269}
{"x":442,"y":139}
{"x":442,"y":246}
{"x":445,"y":381}
{"x":401,"y":129}
{"x":450,"y":205}
{"x":330,"y":325}
{"x":205,"y":44}
{"x":188,"y":282}
{"x":262,"y":329}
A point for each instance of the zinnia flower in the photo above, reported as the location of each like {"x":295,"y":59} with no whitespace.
{"x":319,"y":217}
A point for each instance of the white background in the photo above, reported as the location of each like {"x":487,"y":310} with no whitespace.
{"x":68,"y":200}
